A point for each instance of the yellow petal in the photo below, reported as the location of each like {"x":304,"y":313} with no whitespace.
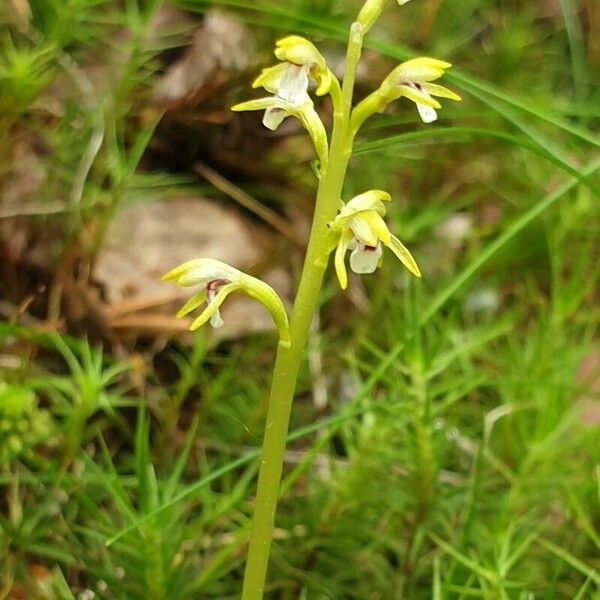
{"x":299,"y":51}
{"x":370,"y":200}
{"x":194,"y":302}
{"x":426,"y":61}
{"x":270,"y":78}
{"x":361,"y":228}
{"x":418,"y":69}
{"x":419,"y":97}
{"x":404,"y":255}
{"x":260,"y":104}
{"x":441,"y":91}
{"x":324,"y":79}
{"x":201,"y":270}
{"x":340,"y":258}
{"x":377,"y":225}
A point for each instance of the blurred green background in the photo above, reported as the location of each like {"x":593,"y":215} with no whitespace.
{"x":445,"y":436}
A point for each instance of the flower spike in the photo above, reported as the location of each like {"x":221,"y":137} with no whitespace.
{"x":359,"y":227}
{"x":217,"y":280}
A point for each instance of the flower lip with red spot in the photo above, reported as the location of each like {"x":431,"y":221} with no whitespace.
{"x":412,"y":79}
{"x":360,"y":228}
{"x":217,"y":280}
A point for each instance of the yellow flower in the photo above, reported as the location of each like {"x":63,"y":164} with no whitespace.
{"x":412,"y":79}
{"x":288,"y":82}
{"x":359,"y":227}
{"x":277,"y":109}
{"x":217,"y":280}
{"x":298,"y":51}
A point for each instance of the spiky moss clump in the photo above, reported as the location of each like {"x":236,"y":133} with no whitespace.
{"x":22,"y":424}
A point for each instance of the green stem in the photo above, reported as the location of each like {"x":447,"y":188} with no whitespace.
{"x":426,"y":462}
{"x":289,"y":358}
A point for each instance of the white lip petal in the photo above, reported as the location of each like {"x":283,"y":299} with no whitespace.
{"x":427,"y":113}
{"x":216,"y":321}
{"x":273,"y":118}
{"x":293,"y":87}
{"x":365,"y":259}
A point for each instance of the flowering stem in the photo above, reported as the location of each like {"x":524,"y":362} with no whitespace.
{"x":288,"y":358}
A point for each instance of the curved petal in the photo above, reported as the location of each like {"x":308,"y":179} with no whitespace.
{"x":362,"y":230}
{"x":212,"y":309}
{"x":420,"y":69}
{"x":216,"y":320}
{"x":270,"y":78}
{"x":370,"y":200}
{"x":200,"y":271}
{"x":274,"y":117}
{"x":441,"y":91}
{"x":419,"y":96}
{"x":278,"y":109}
{"x":300,"y":51}
{"x":377,"y":225}
{"x":324,"y":82}
{"x":340,"y":257}
{"x":259,"y":104}
{"x":403,"y":255}
{"x":194,"y":302}
{"x":427,"y":114}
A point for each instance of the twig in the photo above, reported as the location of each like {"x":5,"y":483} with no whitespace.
{"x":244,"y":199}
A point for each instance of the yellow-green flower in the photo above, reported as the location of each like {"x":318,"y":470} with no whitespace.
{"x":277,"y":109}
{"x":217,"y":280}
{"x":288,"y":82}
{"x":359,"y":227}
{"x":297,"y":51}
{"x":289,"y":79}
{"x":412,"y":79}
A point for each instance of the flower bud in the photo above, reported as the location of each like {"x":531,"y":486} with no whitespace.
{"x":369,"y":13}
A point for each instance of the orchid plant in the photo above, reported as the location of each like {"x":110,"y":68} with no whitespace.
{"x":357,"y":226}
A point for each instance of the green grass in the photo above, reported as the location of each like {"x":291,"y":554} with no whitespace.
{"x":457,"y":456}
